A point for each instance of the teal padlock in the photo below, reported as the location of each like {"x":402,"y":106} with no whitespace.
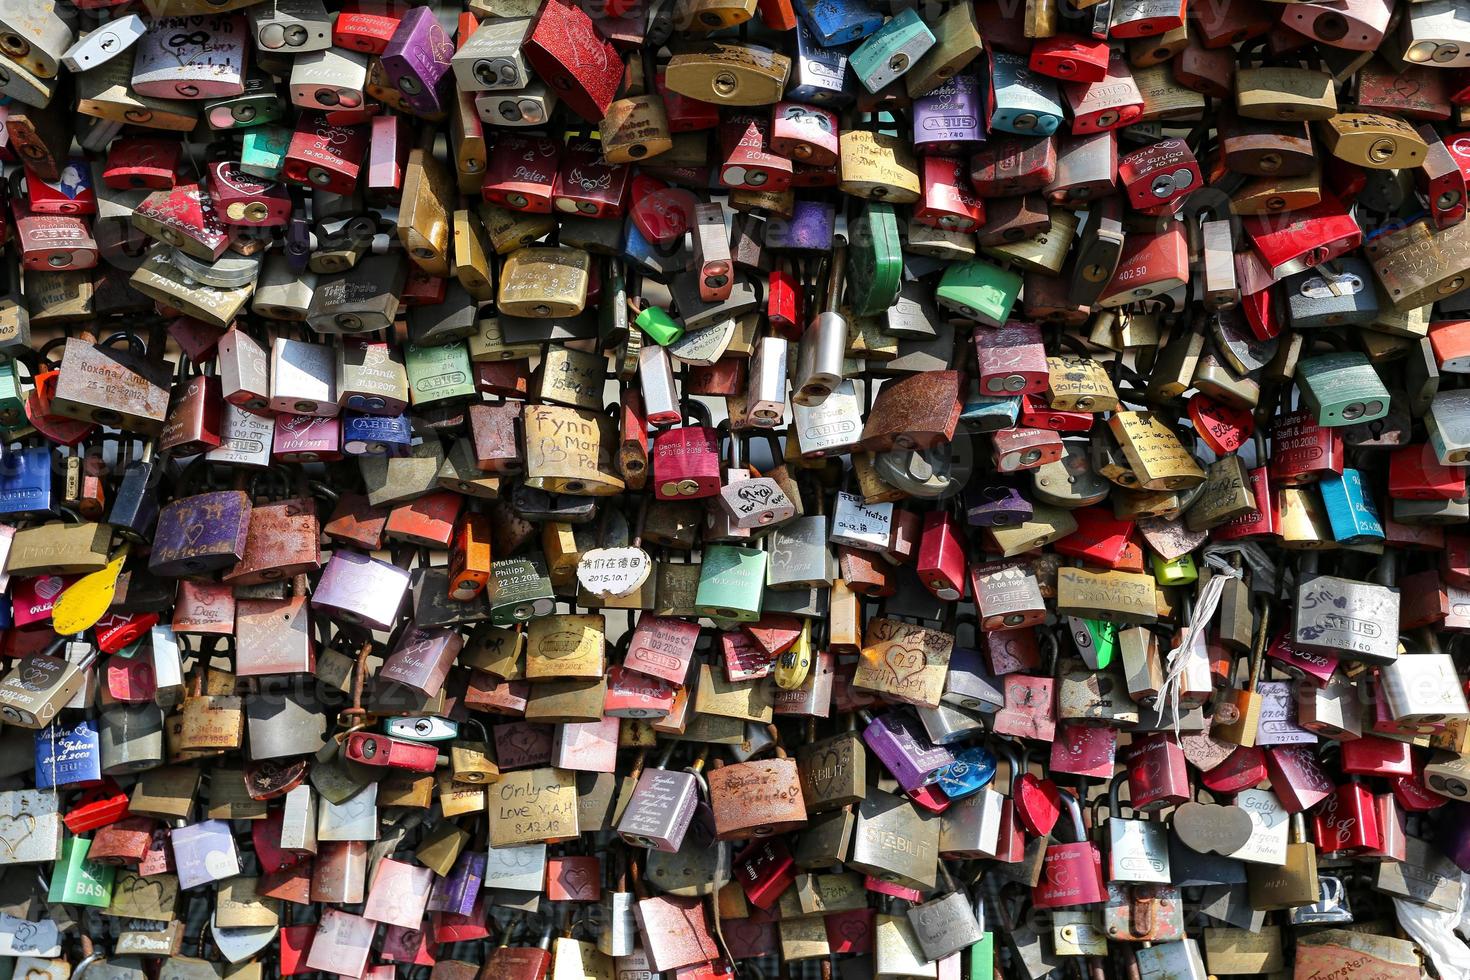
{"x":661,"y":328}
{"x":1175,"y":571}
{"x":1342,"y":388}
{"x":731,"y":583}
{"x":12,"y":404}
{"x":438,"y":374}
{"x":980,"y":958}
{"x":1350,"y":508}
{"x":988,"y":413}
{"x":263,"y":151}
{"x":874,"y":260}
{"x":78,"y":881}
{"x":979,"y":291}
{"x":891,"y":50}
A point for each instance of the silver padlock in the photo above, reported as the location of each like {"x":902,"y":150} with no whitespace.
{"x":1138,"y":850}
{"x":328,"y":80}
{"x":491,"y":60}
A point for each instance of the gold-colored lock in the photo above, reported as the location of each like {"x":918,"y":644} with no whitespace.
{"x":1040,"y":19}
{"x":570,"y":377}
{"x":567,"y":702}
{"x":877,"y":166}
{"x":636,"y":129}
{"x":1155,"y":50}
{"x":703,"y":16}
{"x":568,"y":450}
{"x":441,"y":846}
{"x":107,"y":93}
{"x":1226,"y":495}
{"x":472,"y":256}
{"x":715,"y":694}
{"x":489,"y":344}
{"x":1302,"y":521}
{"x":749,"y":200}
{"x":1278,"y":195}
{"x":1044,"y":252}
{"x":1047,"y":524}
{"x":867,"y":340}
{"x":1367,"y":139}
{"x":1420,"y":264}
{"x":1155,"y":452}
{"x":957,"y":44}
{"x":509,"y":230}
{"x":729,"y":74}
{"x":1116,"y":597}
{"x":467,"y":143}
{"x":565,"y":646}
{"x":1079,"y":384}
{"x":545,"y":282}
{"x":1163,"y":97}
{"x":424,"y":213}
{"x":1284,"y":94}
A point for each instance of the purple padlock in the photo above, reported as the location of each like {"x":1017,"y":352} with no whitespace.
{"x":204,"y":853}
{"x":996,"y":505}
{"x":360,"y":590}
{"x":948,"y":120}
{"x":201,"y":533}
{"x":416,"y":61}
{"x":809,"y":229}
{"x":904,"y":748}
{"x":1453,"y":836}
{"x":456,"y":893}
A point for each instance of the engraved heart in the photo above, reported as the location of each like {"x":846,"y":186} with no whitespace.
{"x":1212,"y":829}
{"x":9,"y":835}
{"x":902,"y":664}
{"x":48,"y":586}
{"x":823,"y":771}
{"x":193,"y":532}
{"x":576,"y":880}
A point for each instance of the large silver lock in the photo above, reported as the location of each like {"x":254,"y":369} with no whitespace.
{"x":1138,"y":850}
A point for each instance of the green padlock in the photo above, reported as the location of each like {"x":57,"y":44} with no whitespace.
{"x":661,"y":328}
{"x":1104,"y":640}
{"x":979,"y":291}
{"x":1342,"y":388}
{"x":980,"y":958}
{"x":1176,"y":571}
{"x":874,"y":260}
{"x":519,"y":589}
{"x":731,"y":582}
{"x":78,"y":881}
{"x":437,"y":374}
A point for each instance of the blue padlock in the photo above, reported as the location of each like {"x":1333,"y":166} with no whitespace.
{"x":68,"y":754}
{"x":375,"y":435}
{"x":839,"y":21}
{"x":25,"y":481}
{"x":972,"y":769}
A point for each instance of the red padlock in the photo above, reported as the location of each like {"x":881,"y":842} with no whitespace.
{"x":1152,"y":263}
{"x":1297,"y":777}
{"x":746,"y":159}
{"x":686,"y":463}
{"x":244,"y":199}
{"x":1157,"y":775}
{"x":947,"y":200}
{"x":142,"y":161}
{"x":765,"y":869}
{"x":941,"y":560}
{"x":784,"y":303}
{"x":1156,"y":177}
{"x":1347,"y":821}
{"x":1037,"y":414}
{"x":366,"y":26}
{"x":804,"y":133}
{"x":521,"y":174}
{"x":1007,"y":166}
{"x":1415,"y":473}
{"x":1372,"y":755}
{"x":372,"y":749}
{"x":1071,"y":873}
{"x":586,"y":184}
{"x":1011,"y":359}
{"x":325,"y":156}
{"x":1112,"y":103}
{"x":1070,"y":58}
{"x":71,"y":193}
{"x":1100,"y":539}
{"x":1302,"y":451}
{"x":1242,"y":769}
{"x":1303,"y":239}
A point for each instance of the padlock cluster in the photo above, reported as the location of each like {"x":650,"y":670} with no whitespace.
{"x":809,"y":488}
